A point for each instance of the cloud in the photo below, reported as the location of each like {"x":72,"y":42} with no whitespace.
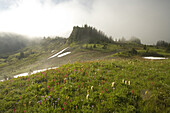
{"x":146,"y":19}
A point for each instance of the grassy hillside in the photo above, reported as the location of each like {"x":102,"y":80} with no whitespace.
{"x":19,"y":55}
{"x":139,"y":86}
{"x":35,"y":56}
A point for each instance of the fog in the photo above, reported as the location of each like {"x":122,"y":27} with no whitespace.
{"x":145,"y":19}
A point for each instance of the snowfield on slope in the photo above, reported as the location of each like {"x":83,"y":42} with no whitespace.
{"x":58,"y":53}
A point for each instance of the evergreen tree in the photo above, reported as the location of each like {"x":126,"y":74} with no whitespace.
{"x":144,"y":47}
{"x":133,"y":51}
{"x":94,"y":46}
{"x":162,"y":43}
{"x":21,"y":55}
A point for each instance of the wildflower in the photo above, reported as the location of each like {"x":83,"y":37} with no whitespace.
{"x":91,"y":87}
{"x":62,"y":108}
{"x":105,"y":89}
{"x":113,"y":84}
{"x":39,"y":101}
{"x":58,"y":99}
{"x":128,"y":82}
{"x":123,"y":81}
{"x":152,"y":83}
{"x":92,"y":106}
{"x":48,"y":86}
{"x":65,"y":103}
{"x":146,"y":92}
{"x":113,"y":88}
{"x":69,"y":100}
{"x":14,"y":110}
{"x":87,"y":96}
{"x":111,"y":96}
{"x":132,"y":91}
{"x":101,"y":101}
{"x":24,"y":111}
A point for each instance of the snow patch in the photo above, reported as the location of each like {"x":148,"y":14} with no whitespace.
{"x":20,"y":75}
{"x":57,"y":53}
{"x":66,"y":53}
{"x":34,"y":72}
{"x":155,"y":58}
{"x":1,"y":80}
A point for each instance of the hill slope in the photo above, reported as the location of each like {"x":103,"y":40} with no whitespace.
{"x":89,"y":87}
{"x":10,"y":42}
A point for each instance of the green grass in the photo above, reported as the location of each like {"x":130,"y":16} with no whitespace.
{"x":65,"y":89}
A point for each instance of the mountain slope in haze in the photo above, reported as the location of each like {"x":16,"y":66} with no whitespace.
{"x":88,"y":34}
{"x":10,"y":42}
{"x":85,"y":44}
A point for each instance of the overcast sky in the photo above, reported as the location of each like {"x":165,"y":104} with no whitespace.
{"x":148,"y":20}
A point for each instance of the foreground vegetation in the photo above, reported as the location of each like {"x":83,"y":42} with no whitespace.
{"x":120,"y":85}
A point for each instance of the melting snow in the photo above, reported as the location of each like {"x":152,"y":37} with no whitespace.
{"x":20,"y":75}
{"x":155,"y":58}
{"x":1,"y":80}
{"x":57,"y":53}
{"x":34,"y":72}
{"x":66,"y":53}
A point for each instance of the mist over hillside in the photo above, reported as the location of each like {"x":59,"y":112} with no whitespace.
{"x":10,"y":42}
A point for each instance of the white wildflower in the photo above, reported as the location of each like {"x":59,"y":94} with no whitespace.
{"x":113,"y":84}
{"x":91,"y":87}
{"x":87,"y":97}
{"x":128,"y":82}
{"x":125,"y":82}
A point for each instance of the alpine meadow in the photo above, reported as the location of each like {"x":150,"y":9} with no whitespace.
{"x":79,"y":56}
